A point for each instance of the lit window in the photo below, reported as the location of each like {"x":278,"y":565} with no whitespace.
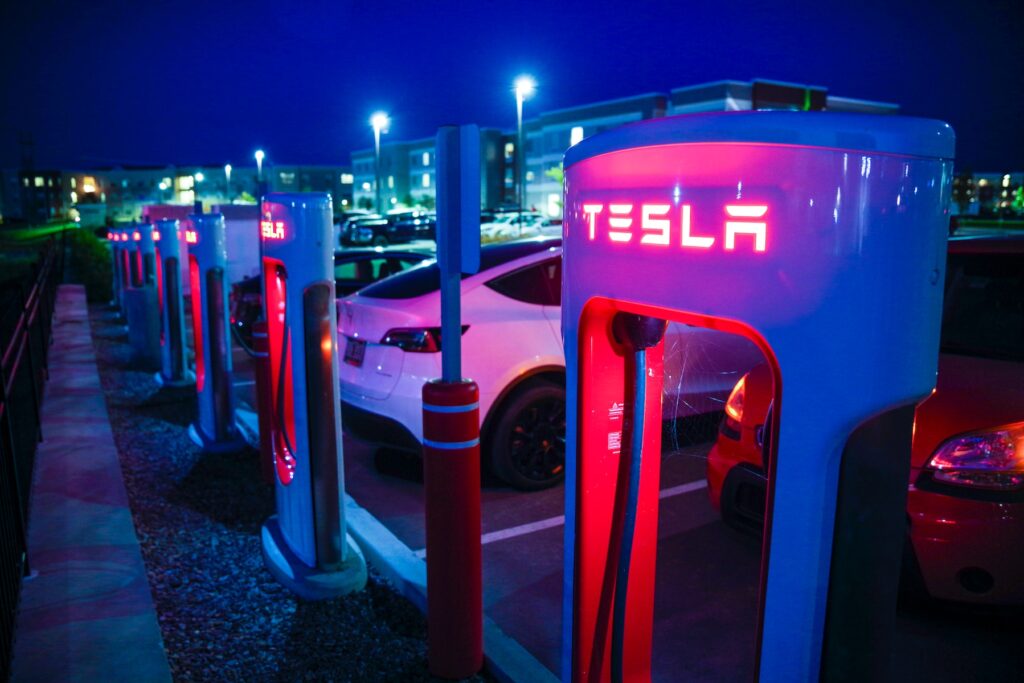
{"x":367,"y":187}
{"x":510,"y":149}
{"x":74,"y":197}
{"x":39,"y":181}
{"x":103,"y":197}
{"x":426,"y":180}
{"x":88,"y":184}
{"x":347,"y":179}
{"x":391,"y":182}
{"x":74,"y":181}
{"x":188,"y":196}
{"x":575,"y":135}
{"x":186,"y":182}
{"x":426,"y":160}
{"x":554,"y":204}
{"x":25,"y":181}
{"x":287,"y":178}
{"x":49,"y":182}
{"x":529,"y":176}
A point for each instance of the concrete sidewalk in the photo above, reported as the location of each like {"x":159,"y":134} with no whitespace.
{"x":87,"y":613}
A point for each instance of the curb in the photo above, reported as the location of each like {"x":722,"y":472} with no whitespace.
{"x":505,"y":658}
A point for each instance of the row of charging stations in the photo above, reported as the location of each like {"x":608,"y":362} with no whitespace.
{"x":305,"y":545}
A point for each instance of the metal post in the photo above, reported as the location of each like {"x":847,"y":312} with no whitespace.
{"x":521,"y":156}
{"x":376,"y":169}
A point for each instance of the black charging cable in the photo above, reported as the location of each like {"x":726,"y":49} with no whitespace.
{"x":640,"y":333}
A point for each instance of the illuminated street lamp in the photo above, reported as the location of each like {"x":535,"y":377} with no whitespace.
{"x":259,"y":174}
{"x":227,"y":183}
{"x":380,"y":123}
{"x":525,"y":86}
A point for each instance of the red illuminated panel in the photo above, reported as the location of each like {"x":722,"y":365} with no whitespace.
{"x":281,"y":389}
{"x":658,"y":224}
{"x":195,"y":281}
{"x":160,"y":292}
{"x":272,"y":230}
{"x":191,"y":237}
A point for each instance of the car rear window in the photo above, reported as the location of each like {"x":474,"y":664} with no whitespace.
{"x":426,"y":278}
{"x":983,"y":313}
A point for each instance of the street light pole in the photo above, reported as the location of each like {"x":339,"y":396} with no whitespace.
{"x":524,"y":87}
{"x":259,"y":175}
{"x":380,"y":123}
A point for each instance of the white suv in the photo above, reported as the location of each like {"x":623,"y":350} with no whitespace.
{"x":512,"y":347}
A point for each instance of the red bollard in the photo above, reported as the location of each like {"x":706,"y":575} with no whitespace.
{"x":264,"y":402}
{"x":451,"y":475}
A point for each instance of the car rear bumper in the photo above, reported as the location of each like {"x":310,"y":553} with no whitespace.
{"x":968,"y":550}
{"x":377,"y":429}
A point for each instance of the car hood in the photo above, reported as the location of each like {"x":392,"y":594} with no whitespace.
{"x":972,"y":394}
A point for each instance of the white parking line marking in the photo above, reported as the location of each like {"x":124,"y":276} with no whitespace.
{"x":551,"y":522}
{"x":244,"y":383}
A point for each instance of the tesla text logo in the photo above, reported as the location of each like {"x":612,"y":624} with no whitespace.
{"x":272,"y":230}
{"x":191,"y":237}
{"x":655,"y":224}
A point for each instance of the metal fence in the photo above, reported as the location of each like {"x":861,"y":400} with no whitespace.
{"x":26,"y":318}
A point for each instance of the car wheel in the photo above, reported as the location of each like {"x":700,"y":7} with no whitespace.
{"x":527,"y":442}
{"x":380,"y":241}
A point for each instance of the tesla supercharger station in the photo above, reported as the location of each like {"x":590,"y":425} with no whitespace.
{"x":141,"y":300}
{"x":122,"y":266}
{"x":214,"y":428}
{"x":114,"y":239}
{"x":173,"y":352}
{"x":305,"y":545}
{"x":821,"y":237}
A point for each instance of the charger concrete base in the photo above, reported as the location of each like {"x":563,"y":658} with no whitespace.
{"x":187,"y":381}
{"x":232,"y":444}
{"x":307,"y":582}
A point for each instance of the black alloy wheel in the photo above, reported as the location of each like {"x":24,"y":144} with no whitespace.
{"x":528,"y":444}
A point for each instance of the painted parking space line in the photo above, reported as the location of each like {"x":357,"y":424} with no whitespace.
{"x":551,"y":522}
{"x":244,"y":382}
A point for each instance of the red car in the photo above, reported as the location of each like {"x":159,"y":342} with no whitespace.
{"x":965,"y":507}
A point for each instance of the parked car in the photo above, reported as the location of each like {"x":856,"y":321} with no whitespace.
{"x":512,"y":348}
{"x":965,"y":506}
{"x":380,"y":231}
{"x":352,"y":270}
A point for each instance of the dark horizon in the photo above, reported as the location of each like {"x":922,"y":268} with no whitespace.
{"x":111,"y":83}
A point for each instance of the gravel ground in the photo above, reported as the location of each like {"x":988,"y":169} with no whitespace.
{"x":198,"y":517}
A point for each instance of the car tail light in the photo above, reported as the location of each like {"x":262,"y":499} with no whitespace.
{"x":991,"y":459}
{"x":734,"y":407}
{"x":416,"y":339}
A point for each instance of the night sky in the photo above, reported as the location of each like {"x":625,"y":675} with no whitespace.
{"x":157,"y":82}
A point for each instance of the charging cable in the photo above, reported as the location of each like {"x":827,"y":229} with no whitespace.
{"x":640,"y":333}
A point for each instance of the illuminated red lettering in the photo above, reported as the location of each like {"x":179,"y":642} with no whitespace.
{"x":271,"y":230}
{"x":592,"y":210}
{"x":619,"y":223}
{"x":657,"y":228}
{"x":758,"y":229}
{"x":691,"y":240}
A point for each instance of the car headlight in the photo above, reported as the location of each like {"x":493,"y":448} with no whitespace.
{"x":990,"y":459}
